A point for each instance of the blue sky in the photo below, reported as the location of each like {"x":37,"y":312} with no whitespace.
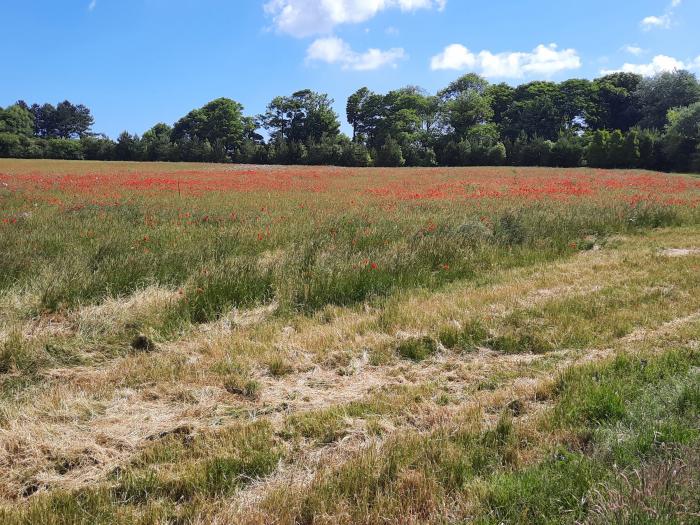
{"x":138,"y":62}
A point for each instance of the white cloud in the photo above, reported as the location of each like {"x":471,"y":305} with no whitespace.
{"x":664,"y":21}
{"x":301,"y":18}
{"x":92,"y":5}
{"x":333,"y":50}
{"x":542,"y":61}
{"x":454,"y":56}
{"x":633,"y":50}
{"x":650,"y":22}
{"x":658,"y":64}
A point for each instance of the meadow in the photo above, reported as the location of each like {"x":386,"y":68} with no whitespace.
{"x":199,"y":343}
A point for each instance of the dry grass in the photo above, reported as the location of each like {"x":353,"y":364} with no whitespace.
{"x":79,"y":423}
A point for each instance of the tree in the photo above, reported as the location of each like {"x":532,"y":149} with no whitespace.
{"x":597,"y":152}
{"x":578,"y":104}
{"x":128,"y":147}
{"x":567,"y":151}
{"x":16,"y":120}
{"x":629,"y":154}
{"x":156,"y":143}
{"x":683,"y":136}
{"x":355,"y":155}
{"x":618,"y":101}
{"x":98,"y":147}
{"x":501,"y":97}
{"x":10,"y":145}
{"x":536,"y":110}
{"x":615,"y":150}
{"x":354,"y":109}
{"x":218,"y":122}
{"x":481,"y":139}
{"x":73,"y":121}
{"x":66,"y":120}
{"x":63,"y":148}
{"x":659,"y":94}
{"x":302,"y":117}
{"x":390,"y":155}
{"x":496,"y":154}
{"x":650,"y":149}
{"x":465,"y":104}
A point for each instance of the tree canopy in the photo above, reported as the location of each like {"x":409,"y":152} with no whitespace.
{"x":617,"y":120}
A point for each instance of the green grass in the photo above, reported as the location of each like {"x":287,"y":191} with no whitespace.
{"x":628,"y":412}
{"x":622,"y":414}
{"x":100,"y":252}
{"x":417,"y":348}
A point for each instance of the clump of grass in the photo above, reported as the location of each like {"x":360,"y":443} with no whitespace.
{"x":372,"y":485}
{"x":325,"y":426}
{"x":240,"y":385}
{"x":520,"y":342}
{"x":417,"y":348}
{"x":475,"y":232}
{"x":278,"y":366}
{"x":465,"y":337}
{"x":168,"y":482}
{"x":207,"y":466}
{"x":510,"y":229}
{"x":621,"y":410}
{"x":542,"y":493}
{"x":19,"y":355}
{"x":662,"y":491}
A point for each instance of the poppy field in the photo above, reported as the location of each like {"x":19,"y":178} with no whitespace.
{"x":196,"y":343}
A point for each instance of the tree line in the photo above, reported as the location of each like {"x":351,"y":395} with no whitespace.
{"x":621,"y":120}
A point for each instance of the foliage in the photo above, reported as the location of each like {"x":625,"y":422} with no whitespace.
{"x":621,"y":120}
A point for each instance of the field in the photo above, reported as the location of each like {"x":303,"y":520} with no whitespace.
{"x":192,"y":343}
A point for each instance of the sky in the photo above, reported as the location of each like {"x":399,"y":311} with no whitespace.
{"x":138,"y":62}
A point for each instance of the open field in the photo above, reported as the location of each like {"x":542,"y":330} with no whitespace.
{"x":191,"y":343}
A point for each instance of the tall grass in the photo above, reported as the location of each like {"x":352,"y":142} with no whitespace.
{"x":304,"y":259}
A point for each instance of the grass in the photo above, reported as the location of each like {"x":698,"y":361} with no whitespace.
{"x":321,"y":345}
{"x":464,"y":460}
{"x":417,"y":348}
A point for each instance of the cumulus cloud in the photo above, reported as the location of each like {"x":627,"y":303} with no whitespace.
{"x":333,"y":50}
{"x":302,"y":18}
{"x":658,"y":64}
{"x":541,"y":61}
{"x":664,"y":21}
